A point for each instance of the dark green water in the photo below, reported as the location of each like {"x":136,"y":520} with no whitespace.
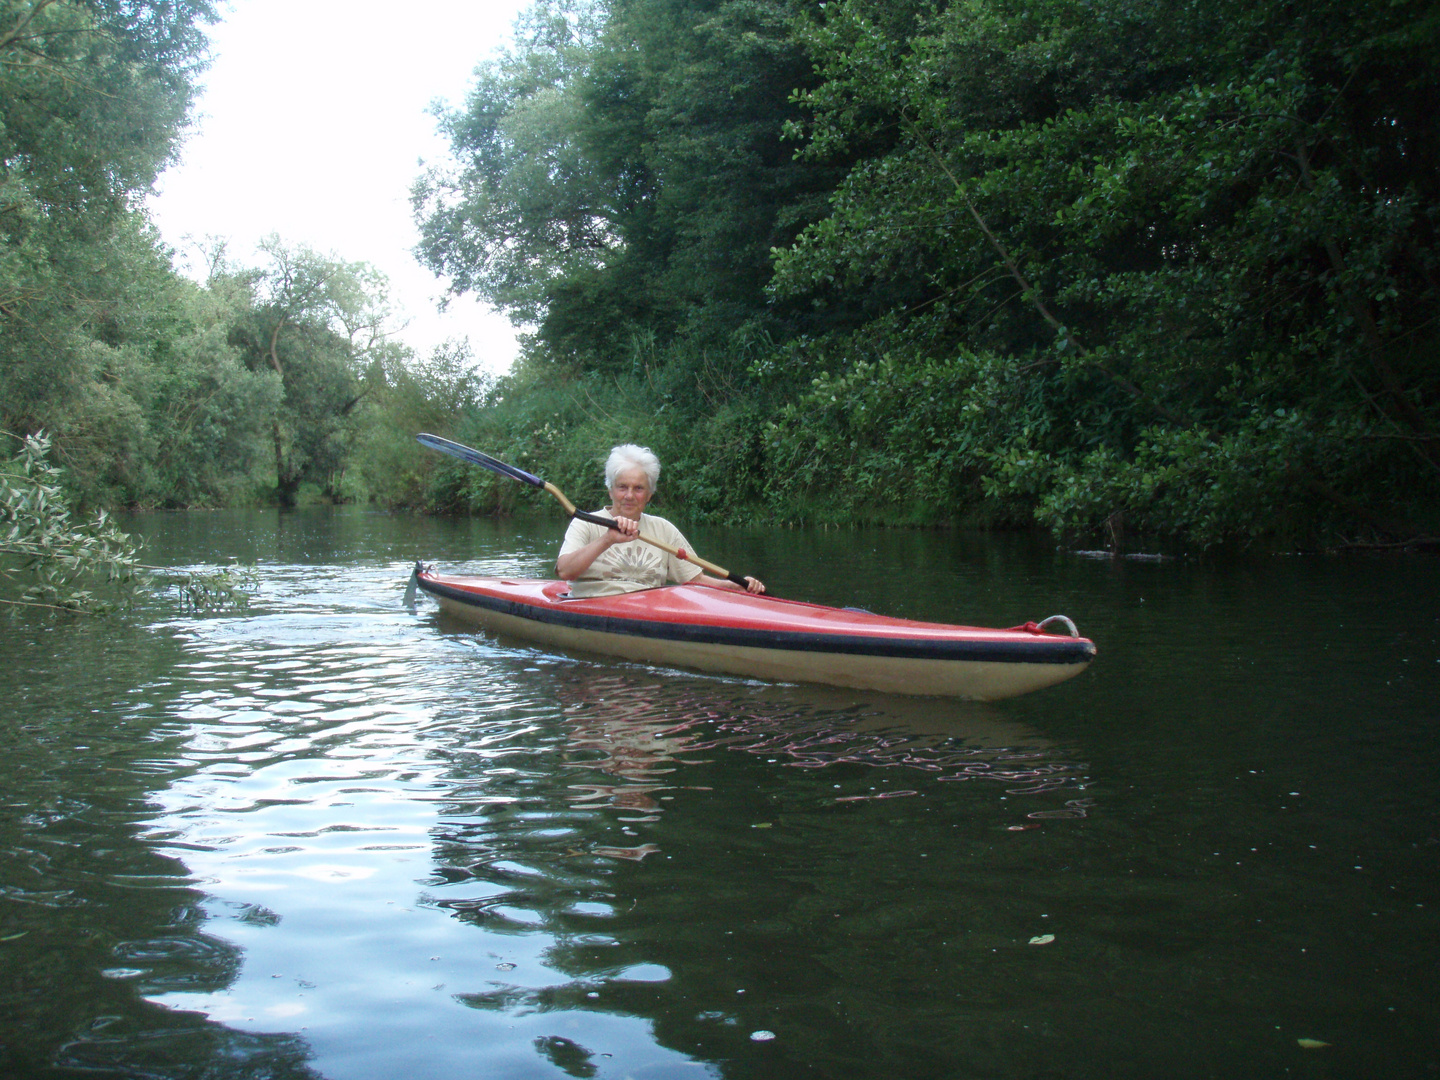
{"x":330,"y":837}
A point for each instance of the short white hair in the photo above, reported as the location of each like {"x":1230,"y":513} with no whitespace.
{"x":628,"y":456}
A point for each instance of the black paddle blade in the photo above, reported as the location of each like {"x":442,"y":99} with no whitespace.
{"x":475,"y":457}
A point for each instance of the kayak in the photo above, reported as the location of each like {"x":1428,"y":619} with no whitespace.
{"x":762,"y":637}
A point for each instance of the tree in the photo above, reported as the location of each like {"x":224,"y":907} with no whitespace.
{"x":623,"y":180}
{"x":93,"y":98}
{"x":1192,"y":251}
{"x":522,"y":207}
{"x":208,"y":416}
{"x":410,"y":395}
{"x":1132,"y":260}
{"x":315,"y":323}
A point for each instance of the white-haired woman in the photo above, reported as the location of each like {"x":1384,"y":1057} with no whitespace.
{"x":600,"y":561}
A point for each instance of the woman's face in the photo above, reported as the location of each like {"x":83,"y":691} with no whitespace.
{"x":630,"y":492}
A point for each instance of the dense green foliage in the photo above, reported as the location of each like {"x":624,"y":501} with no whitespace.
{"x":1130,"y":261}
{"x":314,"y":324}
{"x":1143,"y":264}
{"x":262,"y":383}
{"x":92,"y":99}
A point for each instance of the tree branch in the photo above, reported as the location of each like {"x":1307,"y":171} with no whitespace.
{"x":25,"y":20}
{"x":1033,"y":295}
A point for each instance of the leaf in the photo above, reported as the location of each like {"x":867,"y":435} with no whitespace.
{"x":1311,"y":1044}
{"x":1042,"y":939}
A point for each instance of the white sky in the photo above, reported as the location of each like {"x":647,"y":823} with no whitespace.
{"x":312,"y":125}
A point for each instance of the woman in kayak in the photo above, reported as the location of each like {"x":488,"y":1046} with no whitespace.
{"x":600,"y":561}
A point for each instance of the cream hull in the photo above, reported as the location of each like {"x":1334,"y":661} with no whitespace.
{"x":756,"y":637}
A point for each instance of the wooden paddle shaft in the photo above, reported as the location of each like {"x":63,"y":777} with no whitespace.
{"x":485,"y":461}
{"x":679,"y":553}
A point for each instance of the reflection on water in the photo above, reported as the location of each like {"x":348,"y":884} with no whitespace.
{"x":331,"y":837}
{"x":327,"y":798}
{"x":635,"y":730}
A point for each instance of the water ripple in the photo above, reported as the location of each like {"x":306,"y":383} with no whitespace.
{"x":385,"y":814}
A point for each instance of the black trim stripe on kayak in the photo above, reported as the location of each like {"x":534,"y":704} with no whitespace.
{"x":1039,"y":650}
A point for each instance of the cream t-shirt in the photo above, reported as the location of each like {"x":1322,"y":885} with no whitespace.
{"x":632,"y":566}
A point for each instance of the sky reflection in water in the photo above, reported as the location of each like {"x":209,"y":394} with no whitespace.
{"x":419,"y":840}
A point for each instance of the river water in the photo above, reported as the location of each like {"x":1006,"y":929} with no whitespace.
{"x":329,"y":836}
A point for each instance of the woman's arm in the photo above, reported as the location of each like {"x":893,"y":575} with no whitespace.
{"x":571,"y":564}
{"x":755,"y":586}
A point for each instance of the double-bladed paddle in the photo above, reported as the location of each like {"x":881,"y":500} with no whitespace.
{"x":495,"y":465}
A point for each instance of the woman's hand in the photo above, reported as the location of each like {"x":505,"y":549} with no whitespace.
{"x":628,"y":530}
{"x":753,"y":584}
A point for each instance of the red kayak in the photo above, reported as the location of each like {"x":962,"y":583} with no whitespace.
{"x":728,"y":631}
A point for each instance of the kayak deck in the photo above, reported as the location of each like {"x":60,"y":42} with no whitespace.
{"x":736,"y":633}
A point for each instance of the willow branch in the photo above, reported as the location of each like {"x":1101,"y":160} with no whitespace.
{"x":47,"y":607}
